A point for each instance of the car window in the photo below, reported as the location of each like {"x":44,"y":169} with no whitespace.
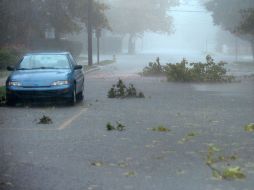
{"x":45,"y":61}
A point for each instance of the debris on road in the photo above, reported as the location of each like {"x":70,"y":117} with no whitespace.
{"x":249,"y":127}
{"x":130,"y":174}
{"x":216,"y":163}
{"x":119,"y":127}
{"x":188,"y":137}
{"x":45,"y":120}
{"x":120,"y":90}
{"x":97,"y":163}
{"x":161,"y":128}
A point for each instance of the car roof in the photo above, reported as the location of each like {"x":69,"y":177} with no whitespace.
{"x":47,"y":53}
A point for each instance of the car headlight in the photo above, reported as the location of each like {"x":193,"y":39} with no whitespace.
{"x":60,"y":82}
{"x":14,"y":83}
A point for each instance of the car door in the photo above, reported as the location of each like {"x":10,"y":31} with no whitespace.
{"x":78,"y":75}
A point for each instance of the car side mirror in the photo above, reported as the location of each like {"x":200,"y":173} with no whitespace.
{"x":9,"y":68}
{"x":77,"y":67}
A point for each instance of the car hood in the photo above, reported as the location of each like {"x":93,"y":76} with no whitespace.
{"x":39,"y":78}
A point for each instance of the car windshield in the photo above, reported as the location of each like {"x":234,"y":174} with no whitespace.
{"x":44,"y":62}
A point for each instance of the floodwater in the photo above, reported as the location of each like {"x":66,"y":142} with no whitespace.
{"x":134,"y":64}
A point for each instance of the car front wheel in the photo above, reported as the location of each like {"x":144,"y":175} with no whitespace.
{"x":10,"y":101}
{"x":73,"y":98}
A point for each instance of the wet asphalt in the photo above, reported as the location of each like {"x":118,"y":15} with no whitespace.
{"x":76,"y":152}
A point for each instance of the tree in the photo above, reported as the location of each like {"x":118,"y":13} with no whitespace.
{"x":34,"y":16}
{"x":17,"y":17}
{"x":246,"y":26}
{"x":233,"y":16}
{"x":134,"y":17}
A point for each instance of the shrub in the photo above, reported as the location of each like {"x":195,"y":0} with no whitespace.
{"x":154,"y":68}
{"x":178,"y":72}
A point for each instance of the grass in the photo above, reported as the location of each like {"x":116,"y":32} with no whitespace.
{"x":2,"y":91}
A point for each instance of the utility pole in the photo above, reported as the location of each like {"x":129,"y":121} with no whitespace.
{"x":98,"y":36}
{"x":236,"y":49}
{"x":90,"y":32}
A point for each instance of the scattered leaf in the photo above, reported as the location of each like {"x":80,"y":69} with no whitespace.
{"x":6,"y":184}
{"x":122,"y":165}
{"x":249,"y":127}
{"x":232,"y":173}
{"x":119,"y":127}
{"x":110,"y":127}
{"x":161,"y":128}
{"x":130,"y":174}
{"x":97,"y":163}
{"x":187,"y":138}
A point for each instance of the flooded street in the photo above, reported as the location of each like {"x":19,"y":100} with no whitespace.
{"x":77,"y":152}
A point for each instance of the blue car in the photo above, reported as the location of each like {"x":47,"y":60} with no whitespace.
{"x":45,"y":76}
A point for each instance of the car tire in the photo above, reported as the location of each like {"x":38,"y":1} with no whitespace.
{"x":80,"y":95}
{"x":10,"y":101}
{"x":73,"y":98}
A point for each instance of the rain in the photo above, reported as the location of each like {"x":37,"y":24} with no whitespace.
{"x":126,"y":95}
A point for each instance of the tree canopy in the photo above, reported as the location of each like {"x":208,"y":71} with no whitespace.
{"x":234,"y":16}
{"x":65,"y":16}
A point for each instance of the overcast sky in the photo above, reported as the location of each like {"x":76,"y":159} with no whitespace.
{"x":193,"y":31}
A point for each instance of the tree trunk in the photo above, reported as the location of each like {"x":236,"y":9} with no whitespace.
{"x":90,"y":33}
{"x":131,"y":44}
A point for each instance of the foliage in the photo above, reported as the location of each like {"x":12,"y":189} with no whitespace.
{"x":193,"y":72}
{"x":121,"y":91}
{"x":2,"y":95}
{"x":161,"y":128}
{"x":226,"y":173}
{"x":45,"y":120}
{"x":154,"y":68}
{"x":119,"y":127}
{"x":231,"y":173}
{"x":229,"y":20}
{"x":9,"y":56}
{"x":34,"y":17}
{"x":187,"y":137}
{"x":178,"y":72}
{"x":234,"y":17}
{"x":249,"y":127}
{"x":247,"y":24}
{"x":198,"y":72}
